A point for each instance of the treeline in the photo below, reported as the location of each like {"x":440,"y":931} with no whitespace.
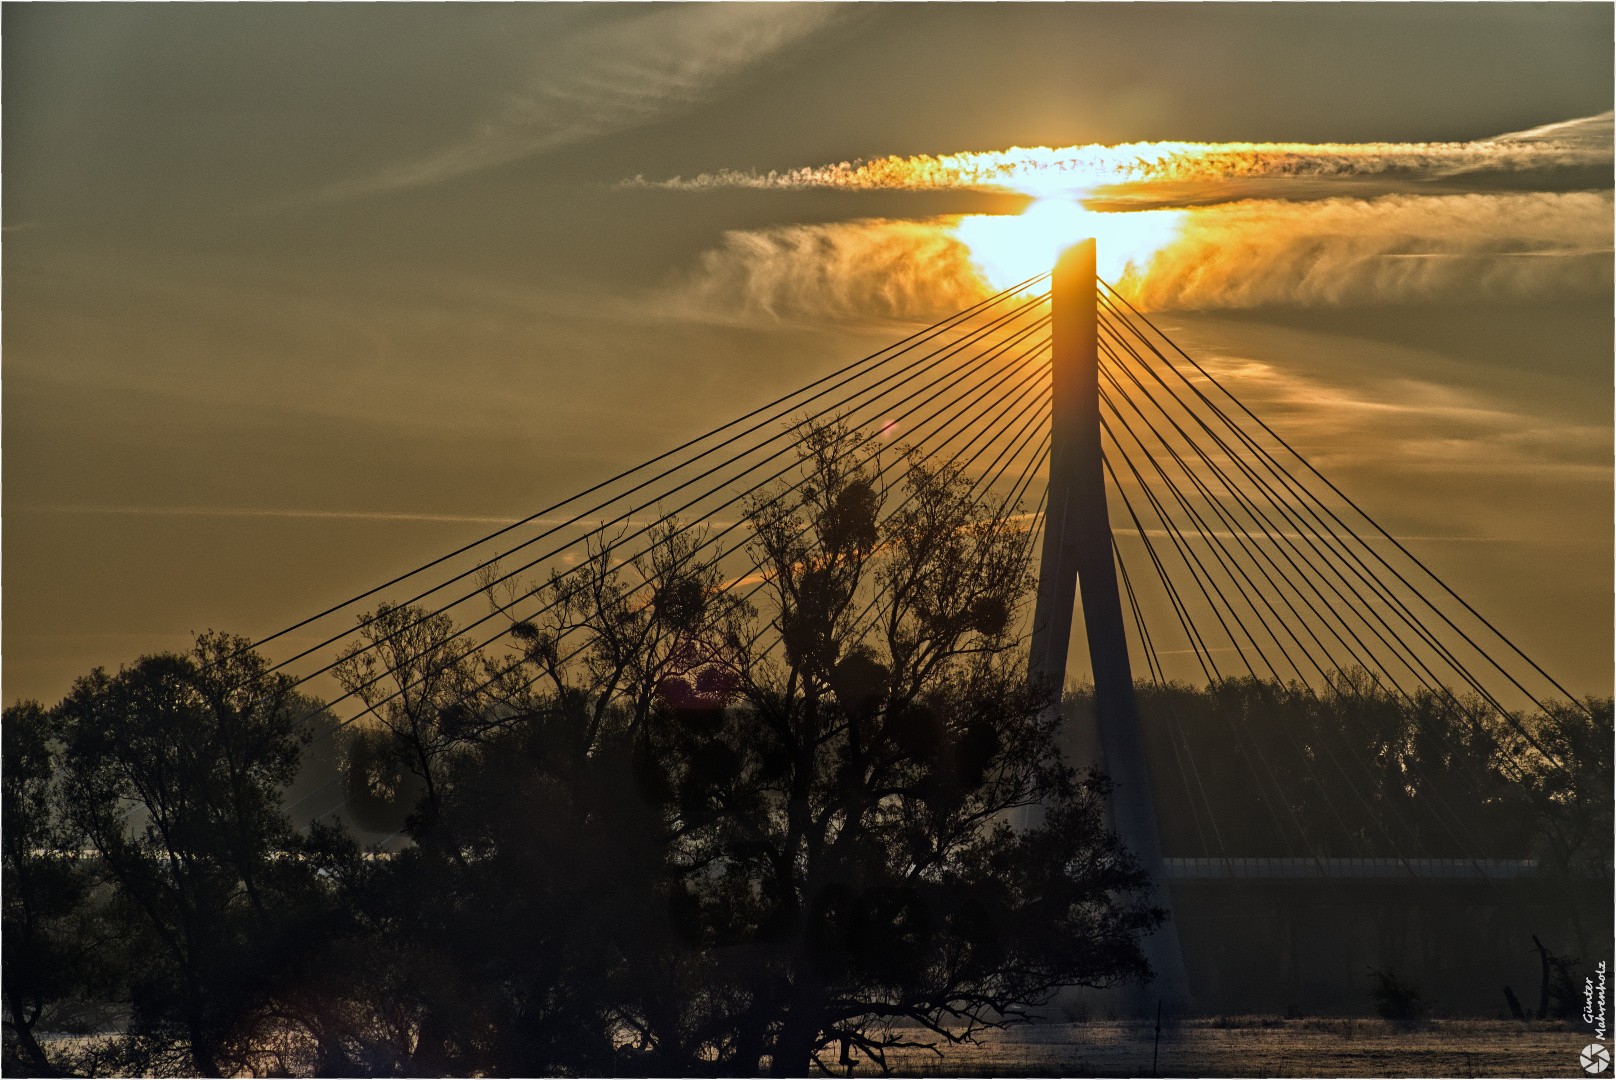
{"x":1254,"y":768}
{"x":665,"y":833}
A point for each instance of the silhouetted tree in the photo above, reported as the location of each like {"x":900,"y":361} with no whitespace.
{"x":56,"y":948}
{"x":1571,"y":796}
{"x":173,"y":772}
{"x":425,"y":686}
{"x":667,"y":850}
{"x":539,"y":882}
{"x":835,"y":860}
{"x":1351,"y":770}
{"x":500,"y":936}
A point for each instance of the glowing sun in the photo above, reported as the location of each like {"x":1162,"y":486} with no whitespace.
{"x":1011,"y":249}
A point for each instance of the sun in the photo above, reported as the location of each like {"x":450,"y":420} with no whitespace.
{"x":1010,"y":249}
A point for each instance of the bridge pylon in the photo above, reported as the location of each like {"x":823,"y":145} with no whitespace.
{"x":1077,"y":556}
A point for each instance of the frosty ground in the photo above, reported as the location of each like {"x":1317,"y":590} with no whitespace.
{"x":1254,"y":1046}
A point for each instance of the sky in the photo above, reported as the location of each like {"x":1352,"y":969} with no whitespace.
{"x":299,"y":296}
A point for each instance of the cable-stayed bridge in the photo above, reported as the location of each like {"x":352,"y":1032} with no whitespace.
{"x":1196,"y":544}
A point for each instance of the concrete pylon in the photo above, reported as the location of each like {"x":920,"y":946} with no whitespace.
{"x":1077,"y":556}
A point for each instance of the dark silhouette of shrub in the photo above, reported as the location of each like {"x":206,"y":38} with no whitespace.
{"x":1396,"y":1000}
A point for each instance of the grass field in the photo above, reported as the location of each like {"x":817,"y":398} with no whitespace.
{"x":1259,"y":1047}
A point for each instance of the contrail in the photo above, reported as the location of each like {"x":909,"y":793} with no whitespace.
{"x":1043,"y":170}
{"x":237,"y":511}
{"x":351,"y":515}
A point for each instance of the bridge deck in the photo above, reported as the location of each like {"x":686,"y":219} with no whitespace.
{"x":1195,"y":869}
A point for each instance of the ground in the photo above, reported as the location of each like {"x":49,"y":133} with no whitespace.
{"x":1261,"y":1047}
{"x":1250,"y":1046}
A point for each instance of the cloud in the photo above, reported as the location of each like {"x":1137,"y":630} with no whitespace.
{"x":1397,"y":248}
{"x":1237,"y":245}
{"x":1592,"y":132}
{"x":1392,"y":249}
{"x":611,"y":76}
{"x":1045,"y":171}
{"x":1379,"y":416}
{"x":873,"y":268}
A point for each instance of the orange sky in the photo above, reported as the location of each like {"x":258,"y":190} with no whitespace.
{"x":298,"y":297}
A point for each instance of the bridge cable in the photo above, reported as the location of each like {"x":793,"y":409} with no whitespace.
{"x":1361,"y":607}
{"x":968,"y":369}
{"x":1433,"y":684}
{"x":934,"y":330}
{"x":1027,"y":381}
{"x":1218,"y":547}
{"x":1307,"y":536}
{"x":1029,"y":384}
{"x":755,"y":488}
{"x":1188,"y":554}
{"x":1194,"y":636}
{"x":1214,"y":503}
{"x":1362,"y":513}
{"x":1017,"y":442}
{"x":1198,"y":647}
{"x":1218,"y":550}
{"x":1023,"y":387}
{"x":1176,"y":728}
{"x":1267,"y":528}
{"x":951,"y":349}
{"x":1272,"y":463}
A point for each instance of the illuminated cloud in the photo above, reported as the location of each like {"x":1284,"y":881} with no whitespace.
{"x":1226,"y":229}
{"x":1046,"y":171}
{"x":612,"y":76}
{"x":872,"y":268}
{"x":1396,"y":248}
{"x":1590,"y":132}
{"x":1392,"y":249}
